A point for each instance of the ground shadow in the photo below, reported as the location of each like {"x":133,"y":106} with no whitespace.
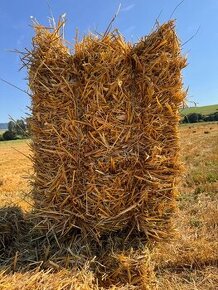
{"x":24,"y":247}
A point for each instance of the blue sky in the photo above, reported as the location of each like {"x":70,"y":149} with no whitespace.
{"x":136,"y":18}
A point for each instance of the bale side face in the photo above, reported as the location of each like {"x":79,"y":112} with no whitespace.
{"x":104,"y":131}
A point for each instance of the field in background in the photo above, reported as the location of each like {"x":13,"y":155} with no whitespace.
{"x":204,"y":110}
{"x":15,"y":168}
{"x":2,"y":131}
{"x":187,"y":263}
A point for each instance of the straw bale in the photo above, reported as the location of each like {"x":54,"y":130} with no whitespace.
{"x":104,"y":131}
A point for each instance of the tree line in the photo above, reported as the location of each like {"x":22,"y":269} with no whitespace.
{"x":197,"y":117}
{"x":16,"y":130}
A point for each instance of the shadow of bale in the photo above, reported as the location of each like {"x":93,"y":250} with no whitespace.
{"x":25,"y":247}
{"x":15,"y":227}
{"x":12,"y":225}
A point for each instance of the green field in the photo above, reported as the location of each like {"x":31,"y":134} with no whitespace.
{"x":2,"y":131}
{"x":204,"y":110}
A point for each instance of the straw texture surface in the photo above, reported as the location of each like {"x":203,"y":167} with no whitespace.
{"x":104,"y":131}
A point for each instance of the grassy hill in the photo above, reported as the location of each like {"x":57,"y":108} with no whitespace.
{"x":205,"y":110}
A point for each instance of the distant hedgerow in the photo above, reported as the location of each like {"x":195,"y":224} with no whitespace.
{"x":8,"y":135}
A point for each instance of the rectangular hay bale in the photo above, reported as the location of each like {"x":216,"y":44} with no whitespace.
{"x":104,"y":130}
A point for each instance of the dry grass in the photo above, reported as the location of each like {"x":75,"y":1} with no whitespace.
{"x":15,"y":170}
{"x":188,"y":263}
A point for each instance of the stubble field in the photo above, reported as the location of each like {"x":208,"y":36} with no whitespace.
{"x":189,"y":262}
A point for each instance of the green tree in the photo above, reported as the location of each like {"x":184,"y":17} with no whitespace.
{"x":11,"y":126}
{"x":193,"y":118}
{"x":9,"y":135}
{"x":20,"y":128}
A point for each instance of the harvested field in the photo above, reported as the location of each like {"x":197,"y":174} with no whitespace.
{"x":188,"y":263}
{"x":15,"y":171}
{"x":106,"y":166}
